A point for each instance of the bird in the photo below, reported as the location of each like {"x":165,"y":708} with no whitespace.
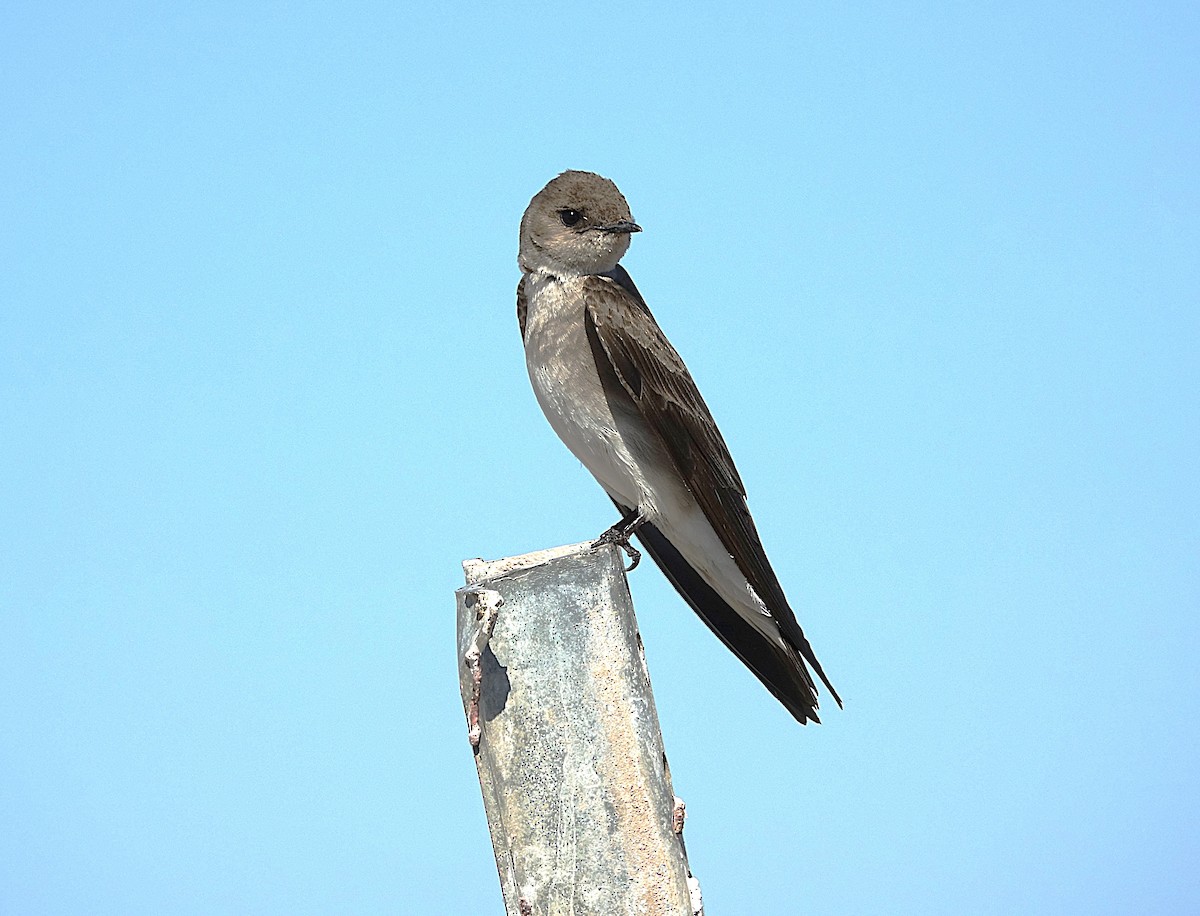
{"x":619,"y":396}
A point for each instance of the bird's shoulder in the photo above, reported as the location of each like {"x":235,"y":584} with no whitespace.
{"x":626,"y":326}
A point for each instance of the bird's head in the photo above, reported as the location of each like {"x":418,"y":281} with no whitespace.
{"x":579,"y":223}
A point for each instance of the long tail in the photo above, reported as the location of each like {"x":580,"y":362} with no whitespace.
{"x":784,"y":675}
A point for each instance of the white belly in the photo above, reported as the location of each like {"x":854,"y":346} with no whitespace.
{"x":567,"y":385}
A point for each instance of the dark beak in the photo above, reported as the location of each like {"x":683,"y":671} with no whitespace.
{"x":626,"y":225}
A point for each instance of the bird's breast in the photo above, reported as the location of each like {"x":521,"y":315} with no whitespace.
{"x":562,"y":370}
{"x":561,"y":366}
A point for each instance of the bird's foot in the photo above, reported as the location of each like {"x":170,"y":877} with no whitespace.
{"x":622,"y":541}
{"x":620,"y":533}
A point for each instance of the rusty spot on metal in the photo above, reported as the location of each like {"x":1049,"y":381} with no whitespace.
{"x":486,"y":604}
{"x":526,"y":907}
{"x":678,"y":816}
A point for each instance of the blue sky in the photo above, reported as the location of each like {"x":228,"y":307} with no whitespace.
{"x":937,"y":271}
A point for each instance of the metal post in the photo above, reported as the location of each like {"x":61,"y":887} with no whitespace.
{"x":567,"y":744}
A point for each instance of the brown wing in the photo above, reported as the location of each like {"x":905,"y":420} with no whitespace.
{"x":522,"y":305}
{"x":625,"y":335}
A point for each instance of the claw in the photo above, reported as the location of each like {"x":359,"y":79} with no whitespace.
{"x":620,"y":533}
{"x":635,"y":557}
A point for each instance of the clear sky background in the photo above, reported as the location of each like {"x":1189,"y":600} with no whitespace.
{"x":936,"y":269}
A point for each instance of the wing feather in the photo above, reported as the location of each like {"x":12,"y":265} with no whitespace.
{"x":522,"y":306}
{"x":626,"y":337}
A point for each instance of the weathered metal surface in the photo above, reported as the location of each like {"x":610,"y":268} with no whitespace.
{"x":567,"y":744}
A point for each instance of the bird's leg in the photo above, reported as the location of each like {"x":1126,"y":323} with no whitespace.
{"x":621,"y":532}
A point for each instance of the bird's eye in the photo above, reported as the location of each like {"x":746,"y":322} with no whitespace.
{"x":569,"y":217}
